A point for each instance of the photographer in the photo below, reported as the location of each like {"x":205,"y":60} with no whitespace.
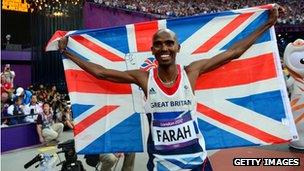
{"x":16,"y":109}
{"x":25,"y":94}
{"x":32,"y":109}
{"x":66,"y":118}
{"x":56,"y":102}
{"x":47,"y":129}
{"x":110,"y":160}
{"x":5,"y":103}
{"x":8,"y":74}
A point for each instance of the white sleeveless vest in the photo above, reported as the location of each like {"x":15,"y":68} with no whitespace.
{"x":173,"y":123}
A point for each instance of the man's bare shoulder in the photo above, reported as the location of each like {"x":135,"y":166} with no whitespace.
{"x":141,"y":78}
{"x":195,"y":66}
{"x":138,"y":73}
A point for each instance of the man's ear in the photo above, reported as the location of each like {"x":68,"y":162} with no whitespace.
{"x":152,"y":50}
{"x":178,"y":48}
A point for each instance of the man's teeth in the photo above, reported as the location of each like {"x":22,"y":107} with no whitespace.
{"x":165,"y":55}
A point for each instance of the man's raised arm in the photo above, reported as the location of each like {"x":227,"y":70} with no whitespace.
{"x":202,"y":66}
{"x":100,"y":72}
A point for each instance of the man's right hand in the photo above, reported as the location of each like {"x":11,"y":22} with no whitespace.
{"x":62,"y":44}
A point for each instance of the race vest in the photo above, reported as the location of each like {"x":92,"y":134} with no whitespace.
{"x":174,"y":141}
{"x":173,"y":124}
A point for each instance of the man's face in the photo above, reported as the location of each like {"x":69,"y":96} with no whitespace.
{"x":34,"y":99}
{"x":165,"y":48}
{"x":19,"y":101}
{"x":54,"y":88}
{"x":21,"y":95}
{"x":7,"y":67}
{"x":46,"y":108}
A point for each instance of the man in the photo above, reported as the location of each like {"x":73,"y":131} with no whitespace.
{"x":8,"y":74}
{"x":6,"y":86}
{"x":25,"y":94}
{"x":47,"y":129}
{"x":32,"y":109}
{"x":16,"y":110}
{"x":65,"y":116}
{"x":174,"y":142}
{"x":5,"y":103}
{"x":109,"y":160}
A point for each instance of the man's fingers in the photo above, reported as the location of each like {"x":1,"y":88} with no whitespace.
{"x":62,"y":43}
{"x":280,"y":8}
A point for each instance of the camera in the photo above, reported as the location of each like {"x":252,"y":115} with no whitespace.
{"x":68,"y":148}
{"x":37,"y":158}
{"x":32,"y":112}
{"x":69,"y":164}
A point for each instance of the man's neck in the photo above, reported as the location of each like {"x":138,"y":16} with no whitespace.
{"x":171,"y":69}
{"x":167,"y":74}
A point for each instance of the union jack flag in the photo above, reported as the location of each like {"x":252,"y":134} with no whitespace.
{"x":242,"y":103}
{"x":149,"y":64}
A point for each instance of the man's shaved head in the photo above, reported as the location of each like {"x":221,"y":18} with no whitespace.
{"x":165,"y":47}
{"x":161,"y":31}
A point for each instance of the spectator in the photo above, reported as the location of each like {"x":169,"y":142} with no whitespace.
{"x":32,"y":109}
{"x":108,"y":161}
{"x":47,"y":129}
{"x":66,"y":118}
{"x":41,"y":93}
{"x":8,"y":74}
{"x":16,"y":109}
{"x":177,"y":8}
{"x":25,"y":94}
{"x":55,"y":101}
{"x":4,"y":106}
{"x":6,"y":86}
{"x":53,"y":91}
{"x":128,"y":164}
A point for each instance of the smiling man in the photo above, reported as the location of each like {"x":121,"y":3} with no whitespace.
{"x":175,"y":141}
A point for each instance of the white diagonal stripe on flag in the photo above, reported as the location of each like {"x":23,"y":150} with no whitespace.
{"x":99,"y":100}
{"x":205,"y":33}
{"x":94,"y":57}
{"x":105,"y":46}
{"x":236,"y":31}
{"x":230,"y":129}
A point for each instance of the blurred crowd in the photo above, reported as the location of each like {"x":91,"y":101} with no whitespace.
{"x":177,"y":8}
{"x":50,"y":111}
{"x":20,"y":105}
